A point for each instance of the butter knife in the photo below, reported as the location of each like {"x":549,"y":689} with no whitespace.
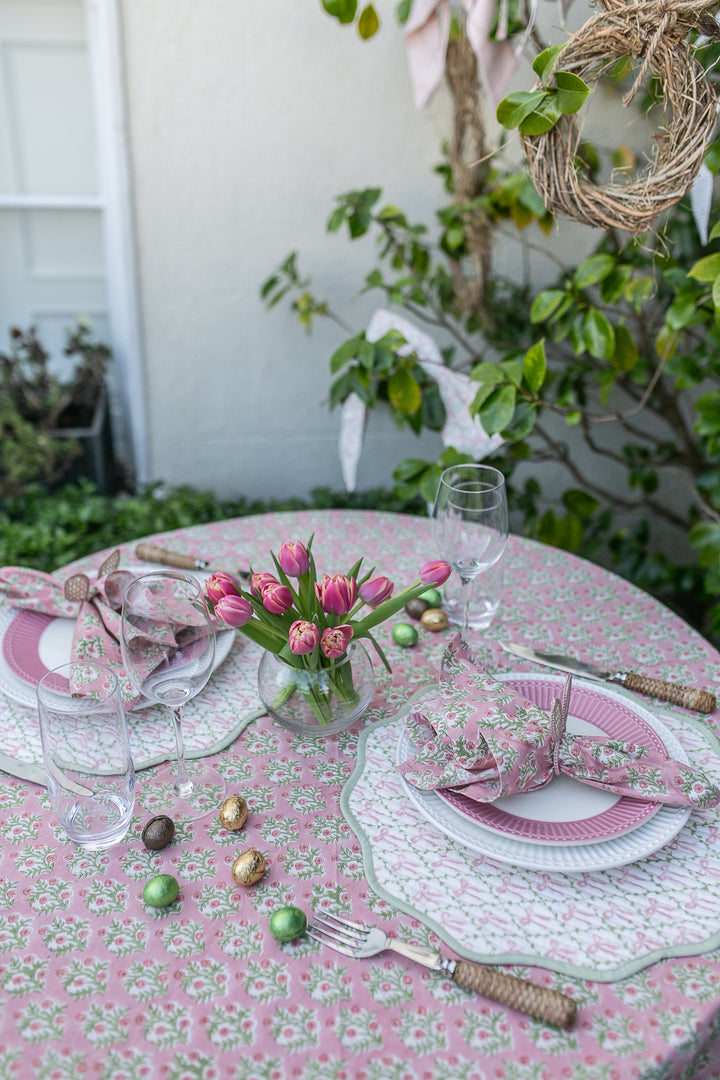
{"x":687,"y":696}
{"x":155,"y":553}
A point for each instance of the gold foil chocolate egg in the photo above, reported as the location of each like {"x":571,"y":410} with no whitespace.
{"x":249,"y":867}
{"x":415,"y":607}
{"x":158,"y":832}
{"x":434,"y":619}
{"x":433,"y":597}
{"x":287,"y":923}
{"x":404,"y":634}
{"x":161,"y":890}
{"x":233,"y":812}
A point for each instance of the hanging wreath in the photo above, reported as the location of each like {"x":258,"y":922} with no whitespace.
{"x":653,"y":32}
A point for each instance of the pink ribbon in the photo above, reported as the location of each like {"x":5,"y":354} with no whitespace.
{"x":426,"y":38}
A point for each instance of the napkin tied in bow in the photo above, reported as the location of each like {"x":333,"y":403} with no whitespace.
{"x":95,"y":604}
{"x":477,"y":735}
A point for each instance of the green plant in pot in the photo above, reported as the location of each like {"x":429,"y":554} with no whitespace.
{"x":42,"y":417}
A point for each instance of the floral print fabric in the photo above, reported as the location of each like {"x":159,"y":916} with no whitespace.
{"x":478,"y":735}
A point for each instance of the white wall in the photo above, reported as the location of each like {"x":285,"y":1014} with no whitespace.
{"x":246,"y":119}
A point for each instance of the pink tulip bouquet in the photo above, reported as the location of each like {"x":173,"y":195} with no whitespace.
{"x":308,"y":623}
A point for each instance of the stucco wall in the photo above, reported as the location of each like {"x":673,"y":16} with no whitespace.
{"x":246,"y":119}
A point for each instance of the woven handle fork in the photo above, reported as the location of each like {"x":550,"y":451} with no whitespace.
{"x":538,"y":1001}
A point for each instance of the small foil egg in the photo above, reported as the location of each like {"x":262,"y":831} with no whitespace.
{"x":287,"y":923}
{"x":434,"y":619}
{"x":433,"y":597}
{"x":405,"y":635}
{"x":158,"y":833}
{"x":161,"y":890}
{"x":233,"y":813}
{"x":415,"y":607}
{"x":248,"y":867}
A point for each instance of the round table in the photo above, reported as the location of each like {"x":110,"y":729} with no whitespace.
{"x":95,"y":983}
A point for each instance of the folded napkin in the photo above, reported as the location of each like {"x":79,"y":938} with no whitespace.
{"x":478,"y":735}
{"x":95,"y":605}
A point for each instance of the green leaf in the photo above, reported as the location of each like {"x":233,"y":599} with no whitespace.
{"x":497,"y":412}
{"x":572,"y":92}
{"x":336,"y":219}
{"x":580,"y":503}
{"x":626,"y":353}
{"x":716,"y":294}
{"x":429,"y":483}
{"x":639,"y":290}
{"x":348,"y":351}
{"x":539,"y":121}
{"x":715,"y":231}
{"x":706,"y":269}
{"x":487,"y":373}
{"x":544,"y":62}
{"x":593,"y":270}
{"x":545,"y":304}
{"x":342,"y":10}
{"x":402,"y":11}
{"x":513,"y":109}
{"x":535,"y":366}
{"x":403,"y":391}
{"x":368,"y":23}
{"x":599,"y":335}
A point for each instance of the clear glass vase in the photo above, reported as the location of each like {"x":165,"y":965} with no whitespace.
{"x":318,"y":702}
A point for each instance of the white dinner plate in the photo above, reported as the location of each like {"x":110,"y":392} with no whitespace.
{"x":32,"y":643}
{"x":508,"y":845}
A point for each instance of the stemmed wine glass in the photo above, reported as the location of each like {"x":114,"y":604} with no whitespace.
{"x":168,"y":649}
{"x":470,"y":525}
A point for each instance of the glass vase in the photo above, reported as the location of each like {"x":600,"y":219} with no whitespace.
{"x":317,"y":702}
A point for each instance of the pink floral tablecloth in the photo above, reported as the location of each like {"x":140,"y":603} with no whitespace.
{"x":93,"y":983}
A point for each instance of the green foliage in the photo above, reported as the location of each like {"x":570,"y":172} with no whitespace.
{"x":46,"y":530}
{"x":34,"y":403}
{"x":536,"y":111}
{"x":622,"y":350}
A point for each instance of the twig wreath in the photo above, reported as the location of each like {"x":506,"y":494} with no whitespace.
{"x":654,"y":32}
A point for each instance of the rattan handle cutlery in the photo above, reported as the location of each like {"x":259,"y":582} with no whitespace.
{"x":358,"y":940}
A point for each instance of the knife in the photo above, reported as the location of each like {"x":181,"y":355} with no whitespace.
{"x":156,"y":554}
{"x":24,"y":770}
{"x":687,"y":696}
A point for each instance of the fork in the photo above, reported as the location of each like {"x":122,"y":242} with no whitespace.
{"x":358,"y":941}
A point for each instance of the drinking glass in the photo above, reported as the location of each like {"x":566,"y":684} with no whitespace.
{"x":168,"y":649}
{"x":86,"y":753}
{"x":470,"y":526}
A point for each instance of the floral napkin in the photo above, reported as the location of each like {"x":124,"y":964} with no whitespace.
{"x":94,"y":604}
{"x":478,"y":735}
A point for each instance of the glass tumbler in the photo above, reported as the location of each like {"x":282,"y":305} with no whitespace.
{"x":86,"y":753}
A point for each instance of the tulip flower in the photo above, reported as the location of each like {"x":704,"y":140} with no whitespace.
{"x":303,"y":637}
{"x":375,"y":590}
{"x":335,"y":640}
{"x":259,"y":581}
{"x":234,"y":610}
{"x":293,"y":558}
{"x":336,"y":594}
{"x":435,"y":573}
{"x":277,"y":598}
{"x":221,"y":584}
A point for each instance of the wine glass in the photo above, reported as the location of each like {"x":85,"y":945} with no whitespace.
{"x":168,"y":649}
{"x":470,"y":526}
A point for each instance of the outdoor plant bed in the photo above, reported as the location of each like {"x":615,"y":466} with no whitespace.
{"x":54,"y":431}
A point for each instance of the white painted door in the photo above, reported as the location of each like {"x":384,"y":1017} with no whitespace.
{"x":52,"y":264}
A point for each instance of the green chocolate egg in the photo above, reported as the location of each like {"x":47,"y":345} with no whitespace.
{"x":404,"y":634}
{"x":161,"y":890}
{"x":287,"y":923}
{"x":433,"y":597}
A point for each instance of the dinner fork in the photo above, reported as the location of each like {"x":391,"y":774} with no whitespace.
{"x":358,"y":941}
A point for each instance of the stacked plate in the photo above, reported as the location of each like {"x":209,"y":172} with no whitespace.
{"x":567,"y":826}
{"x":31,"y":644}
